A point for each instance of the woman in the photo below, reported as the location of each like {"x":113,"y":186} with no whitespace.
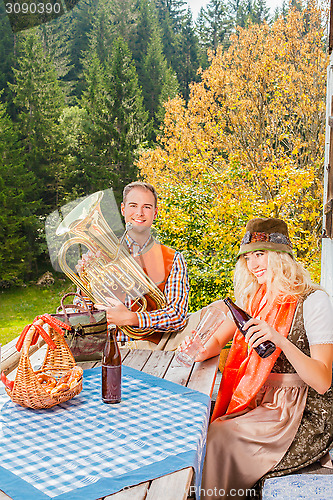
{"x":274,"y":415}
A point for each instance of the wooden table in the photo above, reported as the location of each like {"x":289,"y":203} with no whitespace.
{"x":200,"y":377}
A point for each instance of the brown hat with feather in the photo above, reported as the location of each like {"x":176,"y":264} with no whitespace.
{"x":266,"y":234}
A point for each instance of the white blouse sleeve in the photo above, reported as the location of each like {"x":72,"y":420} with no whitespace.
{"x":318,"y":318}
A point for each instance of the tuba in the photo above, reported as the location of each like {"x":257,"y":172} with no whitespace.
{"x":110,"y":270}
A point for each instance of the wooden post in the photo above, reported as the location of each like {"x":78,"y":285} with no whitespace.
{"x":327,"y":240}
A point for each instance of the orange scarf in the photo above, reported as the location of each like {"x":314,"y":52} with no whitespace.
{"x":244,"y":374}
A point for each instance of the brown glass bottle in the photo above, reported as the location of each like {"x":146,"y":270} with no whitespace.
{"x":111,"y":370}
{"x":241,"y":317}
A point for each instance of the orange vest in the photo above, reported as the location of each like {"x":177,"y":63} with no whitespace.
{"x":156,"y":262}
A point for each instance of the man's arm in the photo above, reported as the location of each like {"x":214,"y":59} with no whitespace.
{"x":173,"y":316}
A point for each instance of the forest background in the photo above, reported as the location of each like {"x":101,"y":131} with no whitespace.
{"x":225,"y":116}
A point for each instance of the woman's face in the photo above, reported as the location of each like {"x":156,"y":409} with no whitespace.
{"x":257,"y":263}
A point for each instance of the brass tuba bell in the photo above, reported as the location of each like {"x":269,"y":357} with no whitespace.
{"x":110,"y":270}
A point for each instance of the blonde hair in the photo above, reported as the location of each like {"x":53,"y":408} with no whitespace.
{"x":285,"y":277}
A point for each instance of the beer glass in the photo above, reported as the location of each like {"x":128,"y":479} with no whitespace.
{"x":207,"y":326}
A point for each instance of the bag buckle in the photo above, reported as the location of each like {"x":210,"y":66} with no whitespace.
{"x":78,"y":330}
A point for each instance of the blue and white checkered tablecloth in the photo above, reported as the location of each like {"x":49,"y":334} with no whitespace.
{"x":84,"y":449}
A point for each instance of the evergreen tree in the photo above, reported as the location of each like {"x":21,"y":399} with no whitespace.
{"x":180,"y":41}
{"x":95,"y":170}
{"x":204,"y":43}
{"x":169,"y":89}
{"x":127,"y":120}
{"x":297,"y":4}
{"x":102,"y":34}
{"x":6,"y":58}
{"x":114,"y":104}
{"x":147,"y":27}
{"x":187,"y":55}
{"x":248,"y":11}
{"x":18,"y":225}
{"x":124,"y":15}
{"x":169,"y":32}
{"x":39,"y":99}
{"x":112,"y":19}
{"x":159,"y":81}
{"x":214,"y":25}
{"x":277,"y":12}
{"x":95,"y":84}
{"x":178,"y":10}
{"x":55,"y":41}
{"x":259,"y":12}
{"x":82,"y":173}
{"x":240,"y":11}
{"x":78,"y":24}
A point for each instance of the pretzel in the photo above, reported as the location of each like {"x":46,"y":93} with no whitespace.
{"x":71,"y":378}
{"x":64,"y":379}
{"x":47,"y":381}
{"x":59,"y":388}
{"x":76,"y":374}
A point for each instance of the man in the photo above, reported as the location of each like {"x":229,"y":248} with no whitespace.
{"x":165,"y":266}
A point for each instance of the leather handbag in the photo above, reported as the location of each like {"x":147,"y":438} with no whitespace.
{"x":88,"y":334}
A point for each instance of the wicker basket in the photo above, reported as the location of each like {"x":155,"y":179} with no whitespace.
{"x":27,"y":391}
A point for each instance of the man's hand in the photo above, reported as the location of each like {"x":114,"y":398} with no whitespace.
{"x":86,"y":260}
{"x":118,"y":314}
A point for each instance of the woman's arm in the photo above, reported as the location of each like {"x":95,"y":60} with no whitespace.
{"x":315,"y":370}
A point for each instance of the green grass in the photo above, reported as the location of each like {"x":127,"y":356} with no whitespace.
{"x":19,"y":306}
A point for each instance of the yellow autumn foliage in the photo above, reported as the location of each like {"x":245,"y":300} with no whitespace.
{"x":249,"y":143}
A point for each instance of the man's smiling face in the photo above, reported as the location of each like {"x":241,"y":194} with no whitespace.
{"x":139,"y":209}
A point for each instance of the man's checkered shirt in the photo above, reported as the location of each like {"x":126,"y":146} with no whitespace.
{"x":173,"y":316}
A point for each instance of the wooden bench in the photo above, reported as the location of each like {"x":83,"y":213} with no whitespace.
{"x":200,"y":377}
{"x":310,"y":483}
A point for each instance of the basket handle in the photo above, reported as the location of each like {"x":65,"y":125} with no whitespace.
{"x":76,"y":306}
{"x":27,"y":339}
{"x":30,"y":334}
